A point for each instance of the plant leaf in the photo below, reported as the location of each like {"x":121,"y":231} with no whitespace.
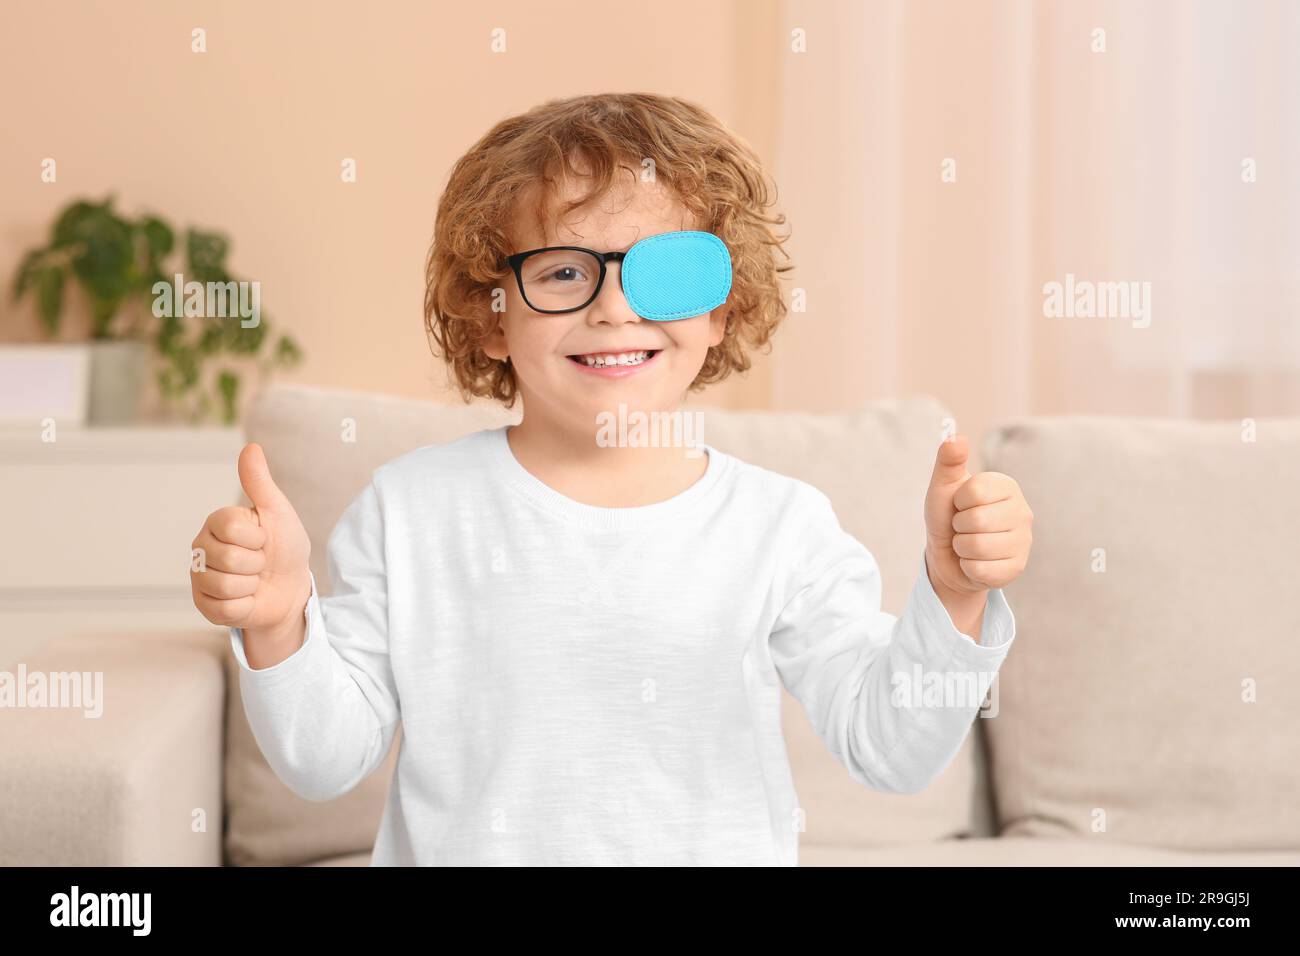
{"x":158,"y":237}
{"x":228,"y":386}
{"x":287,"y":352}
{"x":105,"y":259}
{"x":70,"y":226}
{"x":49,"y":296}
{"x":25,"y":275}
{"x":206,"y":255}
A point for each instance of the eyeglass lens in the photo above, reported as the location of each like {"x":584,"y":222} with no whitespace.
{"x":559,"y":279}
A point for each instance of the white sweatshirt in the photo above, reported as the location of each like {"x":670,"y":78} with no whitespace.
{"x":587,"y":685}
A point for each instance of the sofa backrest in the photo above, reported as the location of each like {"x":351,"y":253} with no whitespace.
{"x":322,"y":445}
{"x":1151,"y":696}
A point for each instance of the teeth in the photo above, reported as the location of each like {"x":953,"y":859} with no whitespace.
{"x":620,"y":358}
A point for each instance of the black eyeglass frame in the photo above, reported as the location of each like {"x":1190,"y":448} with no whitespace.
{"x":516,"y":263}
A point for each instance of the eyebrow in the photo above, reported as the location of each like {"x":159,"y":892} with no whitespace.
{"x":557,"y":244}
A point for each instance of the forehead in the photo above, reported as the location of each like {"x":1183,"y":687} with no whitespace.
{"x":630,"y":210}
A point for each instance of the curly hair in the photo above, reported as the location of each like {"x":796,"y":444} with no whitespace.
{"x":710,"y":171}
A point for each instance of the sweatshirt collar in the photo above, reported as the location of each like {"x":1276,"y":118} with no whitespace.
{"x":546,"y":497}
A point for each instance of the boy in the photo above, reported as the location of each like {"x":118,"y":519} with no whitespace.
{"x":585,"y":644}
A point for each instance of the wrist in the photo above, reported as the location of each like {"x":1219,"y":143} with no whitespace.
{"x":283,"y":637}
{"x":965,"y":606}
{"x":267,"y":646}
{"x":962,"y":589}
{"x":288,"y":631}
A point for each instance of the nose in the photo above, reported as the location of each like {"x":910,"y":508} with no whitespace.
{"x":611,"y":305}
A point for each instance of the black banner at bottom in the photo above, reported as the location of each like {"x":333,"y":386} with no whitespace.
{"x":334,"y":905}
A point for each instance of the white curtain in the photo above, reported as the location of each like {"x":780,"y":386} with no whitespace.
{"x":1104,"y":141}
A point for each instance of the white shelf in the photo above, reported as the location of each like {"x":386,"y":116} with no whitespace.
{"x":105,"y":515}
{"x":98,"y":446}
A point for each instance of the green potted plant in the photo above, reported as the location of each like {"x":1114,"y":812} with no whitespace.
{"x":119,"y":265}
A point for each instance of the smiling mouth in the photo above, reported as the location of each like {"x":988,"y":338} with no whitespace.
{"x":614,"y":359}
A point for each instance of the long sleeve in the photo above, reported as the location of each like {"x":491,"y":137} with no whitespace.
{"x":893,"y":698}
{"x":325,"y":716}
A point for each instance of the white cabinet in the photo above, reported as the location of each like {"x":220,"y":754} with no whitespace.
{"x":96,"y":525}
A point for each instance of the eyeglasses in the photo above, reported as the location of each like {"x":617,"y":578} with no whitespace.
{"x":674,"y":275}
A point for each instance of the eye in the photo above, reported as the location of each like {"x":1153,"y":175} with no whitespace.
{"x":564,"y":274}
{"x":561,"y":271}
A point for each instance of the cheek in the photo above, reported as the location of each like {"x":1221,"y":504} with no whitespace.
{"x":691,"y":335}
{"x":533,"y":340}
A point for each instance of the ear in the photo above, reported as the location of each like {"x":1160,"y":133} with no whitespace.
{"x":495,"y":345}
{"x":718,"y":322}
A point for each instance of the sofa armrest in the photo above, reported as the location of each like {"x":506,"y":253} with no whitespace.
{"x":137,"y":784}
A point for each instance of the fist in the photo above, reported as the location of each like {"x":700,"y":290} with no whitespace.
{"x":977,"y":528}
{"x":255,"y":573}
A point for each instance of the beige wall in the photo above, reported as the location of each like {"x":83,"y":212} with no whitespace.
{"x":1116,"y":166}
{"x":248,"y":137}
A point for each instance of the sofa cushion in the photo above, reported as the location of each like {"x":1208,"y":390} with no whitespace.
{"x":130,"y":775}
{"x":1005,"y":851}
{"x":1027,"y":851}
{"x":349,"y":859}
{"x":873,"y":464}
{"x":1151,"y":695}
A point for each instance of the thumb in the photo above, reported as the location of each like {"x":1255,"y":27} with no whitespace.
{"x":255,"y":478}
{"x":950,"y":463}
{"x":949,"y":474}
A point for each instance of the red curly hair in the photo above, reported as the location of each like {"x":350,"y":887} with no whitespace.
{"x":709,"y":170}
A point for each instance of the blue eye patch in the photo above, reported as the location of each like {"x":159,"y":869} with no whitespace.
{"x":676,"y":275}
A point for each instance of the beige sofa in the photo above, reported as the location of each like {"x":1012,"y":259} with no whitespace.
{"x":1147,"y":714}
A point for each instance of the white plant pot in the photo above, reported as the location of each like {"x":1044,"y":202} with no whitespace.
{"x":117,"y":370}
{"x":44,"y":381}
